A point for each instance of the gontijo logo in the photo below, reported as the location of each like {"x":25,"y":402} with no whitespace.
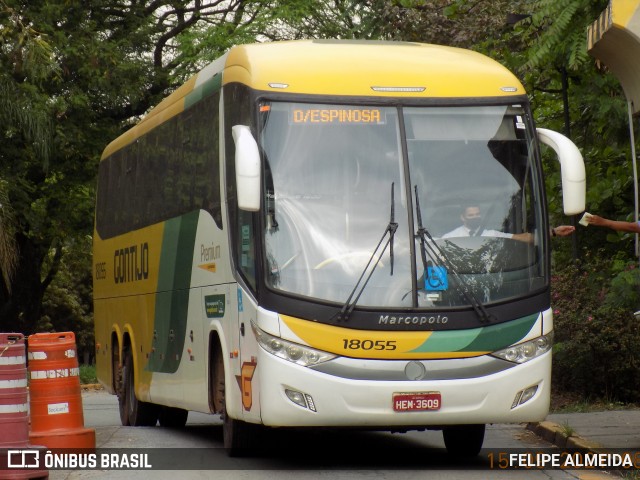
{"x":131,"y":264}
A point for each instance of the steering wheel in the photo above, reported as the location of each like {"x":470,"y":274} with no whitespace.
{"x":364,"y":256}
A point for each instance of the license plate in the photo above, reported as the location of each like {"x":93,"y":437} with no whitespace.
{"x":417,"y":402}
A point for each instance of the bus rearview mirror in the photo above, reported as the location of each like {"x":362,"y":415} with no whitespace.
{"x":247,"y":162}
{"x":572,"y":170}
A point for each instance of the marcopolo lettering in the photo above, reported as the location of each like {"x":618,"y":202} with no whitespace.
{"x":131,"y":264}
{"x":412,"y":320}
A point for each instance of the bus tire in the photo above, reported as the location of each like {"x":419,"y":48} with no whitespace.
{"x":238,"y":436}
{"x":463,"y":441}
{"x":137,"y":413}
{"x":216,"y":378}
{"x":172,"y":417}
{"x":118,"y":383}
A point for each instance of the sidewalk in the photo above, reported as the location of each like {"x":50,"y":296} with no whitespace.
{"x":594,"y":431}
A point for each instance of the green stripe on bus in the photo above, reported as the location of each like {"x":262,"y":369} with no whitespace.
{"x":502,"y":335}
{"x":483,"y":339}
{"x":207,"y":88}
{"x":172,"y":299}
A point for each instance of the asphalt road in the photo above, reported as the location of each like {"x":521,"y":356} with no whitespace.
{"x":196,"y":452}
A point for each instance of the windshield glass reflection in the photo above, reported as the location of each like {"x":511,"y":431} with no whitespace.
{"x":329,"y":171}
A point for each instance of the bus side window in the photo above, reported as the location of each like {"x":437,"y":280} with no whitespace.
{"x":201,"y":154}
{"x":241,"y":222}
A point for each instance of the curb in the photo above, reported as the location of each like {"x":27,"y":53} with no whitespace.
{"x":91,"y":386}
{"x":556,"y":434}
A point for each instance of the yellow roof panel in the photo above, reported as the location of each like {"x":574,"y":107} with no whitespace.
{"x":352,"y":67}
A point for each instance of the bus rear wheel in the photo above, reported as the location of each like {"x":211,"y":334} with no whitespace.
{"x":463,"y":441}
{"x":133,"y":412}
{"x":118,"y":384}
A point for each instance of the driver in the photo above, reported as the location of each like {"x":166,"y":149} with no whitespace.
{"x":472,"y":222}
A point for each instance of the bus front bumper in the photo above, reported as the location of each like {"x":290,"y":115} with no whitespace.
{"x":332,"y":401}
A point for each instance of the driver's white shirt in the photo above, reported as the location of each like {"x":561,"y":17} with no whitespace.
{"x":463,"y":231}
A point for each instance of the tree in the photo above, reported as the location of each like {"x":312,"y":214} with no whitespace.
{"x":569,"y":93}
{"x":25,"y":117}
{"x":8,"y":248}
{"x":72,"y":78}
{"x":326,"y":19}
{"x":461,"y":23}
{"x":22,"y":112}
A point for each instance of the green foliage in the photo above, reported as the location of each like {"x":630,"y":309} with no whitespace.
{"x":552,"y":62}
{"x":624,"y":287}
{"x":8,"y":247}
{"x":341,"y":19}
{"x":88,"y":375}
{"x":459,"y":23}
{"x":559,"y":27}
{"x":67,"y":304}
{"x":597,"y":338}
{"x":73,"y":75}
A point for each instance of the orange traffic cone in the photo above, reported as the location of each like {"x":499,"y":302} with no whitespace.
{"x":18,"y":459}
{"x":55,"y":399}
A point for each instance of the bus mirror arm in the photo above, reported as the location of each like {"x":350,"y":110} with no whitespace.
{"x":247,"y":162}
{"x":572,"y":170}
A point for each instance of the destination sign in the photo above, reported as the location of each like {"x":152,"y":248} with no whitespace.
{"x":336,"y":115}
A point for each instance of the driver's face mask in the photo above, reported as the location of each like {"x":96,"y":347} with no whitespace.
{"x":473,"y":223}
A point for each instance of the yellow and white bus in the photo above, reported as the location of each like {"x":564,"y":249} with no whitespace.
{"x":271,"y":245}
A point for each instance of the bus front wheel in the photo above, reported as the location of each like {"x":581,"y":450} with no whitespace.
{"x":238,"y":436}
{"x":463,"y":441}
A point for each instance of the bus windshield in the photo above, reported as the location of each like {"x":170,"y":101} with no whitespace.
{"x":461,"y":182}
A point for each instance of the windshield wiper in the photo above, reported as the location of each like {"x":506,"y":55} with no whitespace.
{"x":392,"y":227}
{"x":349,"y":305}
{"x":434,"y":251}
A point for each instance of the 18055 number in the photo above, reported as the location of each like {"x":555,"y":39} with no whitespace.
{"x":357,"y":344}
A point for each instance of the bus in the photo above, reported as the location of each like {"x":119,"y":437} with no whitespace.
{"x":271,"y":245}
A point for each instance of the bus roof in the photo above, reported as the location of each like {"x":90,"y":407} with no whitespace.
{"x":361,"y":68}
{"x":352,"y":67}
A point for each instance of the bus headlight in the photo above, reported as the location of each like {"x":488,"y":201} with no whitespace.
{"x":293,"y":352}
{"x":523,"y":352}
